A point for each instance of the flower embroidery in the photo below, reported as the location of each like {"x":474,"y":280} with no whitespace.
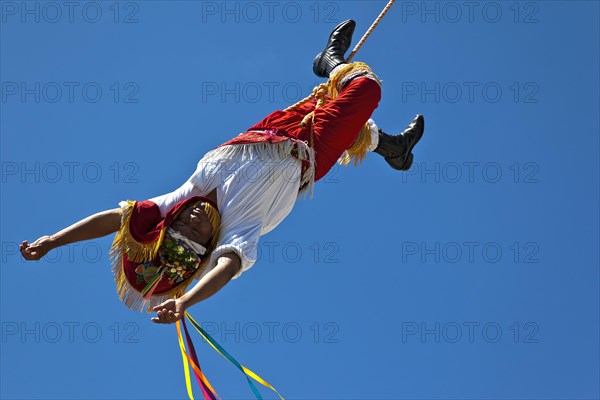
{"x":178,"y":258}
{"x":145,"y":272}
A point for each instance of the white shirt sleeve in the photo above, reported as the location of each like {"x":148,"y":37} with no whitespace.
{"x":167,"y":201}
{"x":374,"y":135}
{"x":243,"y":241}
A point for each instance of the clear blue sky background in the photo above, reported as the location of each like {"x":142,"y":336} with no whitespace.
{"x":473,"y":276}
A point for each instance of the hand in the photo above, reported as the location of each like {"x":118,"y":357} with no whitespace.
{"x":169,"y":312}
{"x":37,"y":249}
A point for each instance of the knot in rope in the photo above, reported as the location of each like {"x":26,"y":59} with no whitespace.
{"x":319,"y":93}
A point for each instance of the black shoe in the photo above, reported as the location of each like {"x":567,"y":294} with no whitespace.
{"x":397,"y":150}
{"x":337,"y":46}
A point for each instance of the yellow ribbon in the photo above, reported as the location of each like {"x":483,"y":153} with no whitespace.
{"x":247,"y":371}
{"x":196,"y":369}
{"x":186,"y":369}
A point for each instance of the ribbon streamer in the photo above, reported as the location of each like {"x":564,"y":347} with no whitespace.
{"x":247,"y":372}
{"x":207,"y":390}
{"x":186,"y":369}
{"x":148,"y":290}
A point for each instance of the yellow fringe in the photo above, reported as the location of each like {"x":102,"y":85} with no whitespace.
{"x":358,"y":150}
{"x":337,"y":79}
{"x":215,"y":221}
{"x":360,"y":147}
{"x":123,"y":242}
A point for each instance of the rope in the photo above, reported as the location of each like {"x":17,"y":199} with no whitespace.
{"x":320,"y":89}
{"x":320,"y":92}
{"x":370,"y":30}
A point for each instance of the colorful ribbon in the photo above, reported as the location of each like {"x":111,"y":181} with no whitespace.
{"x":153,"y":284}
{"x":207,"y":390}
{"x":202,"y":381}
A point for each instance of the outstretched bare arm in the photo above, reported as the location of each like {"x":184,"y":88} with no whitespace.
{"x":92,"y":227}
{"x":173,"y":310}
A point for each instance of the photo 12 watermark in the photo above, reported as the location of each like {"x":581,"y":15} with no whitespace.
{"x":469,"y":252}
{"x":255,"y":12}
{"x":469,"y":332}
{"x":70,"y":12}
{"x":71,"y":172}
{"x":266,"y":252}
{"x":469,"y":12}
{"x":251,"y":92}
{"x":291,"y":332}
{"x":89,"y":332}
{"x":274,"y":252}
{"x":88,"y":92}
{"x":470,"y":92}
{"x":485,"y":172}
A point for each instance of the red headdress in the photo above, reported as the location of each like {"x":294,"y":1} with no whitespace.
{"x":150,"y":262}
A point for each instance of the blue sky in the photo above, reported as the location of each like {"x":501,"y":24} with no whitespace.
{"x":474,"y":275}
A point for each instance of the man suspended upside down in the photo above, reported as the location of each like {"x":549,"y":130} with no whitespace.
{"x":209,"y":228}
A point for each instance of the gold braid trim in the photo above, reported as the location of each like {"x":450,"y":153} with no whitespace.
{"x":129,"y":295}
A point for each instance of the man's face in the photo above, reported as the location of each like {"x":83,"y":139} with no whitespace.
{"x":193,"y":223}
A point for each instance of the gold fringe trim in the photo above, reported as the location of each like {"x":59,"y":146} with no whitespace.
{"x":123,"y":241}
{"x":336,"y":81}
{"x":358,"y":150}
{"x":215,"y":221}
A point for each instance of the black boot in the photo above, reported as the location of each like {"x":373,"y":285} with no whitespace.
{"x":397,"y":150}
{"x":333,"y":55}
